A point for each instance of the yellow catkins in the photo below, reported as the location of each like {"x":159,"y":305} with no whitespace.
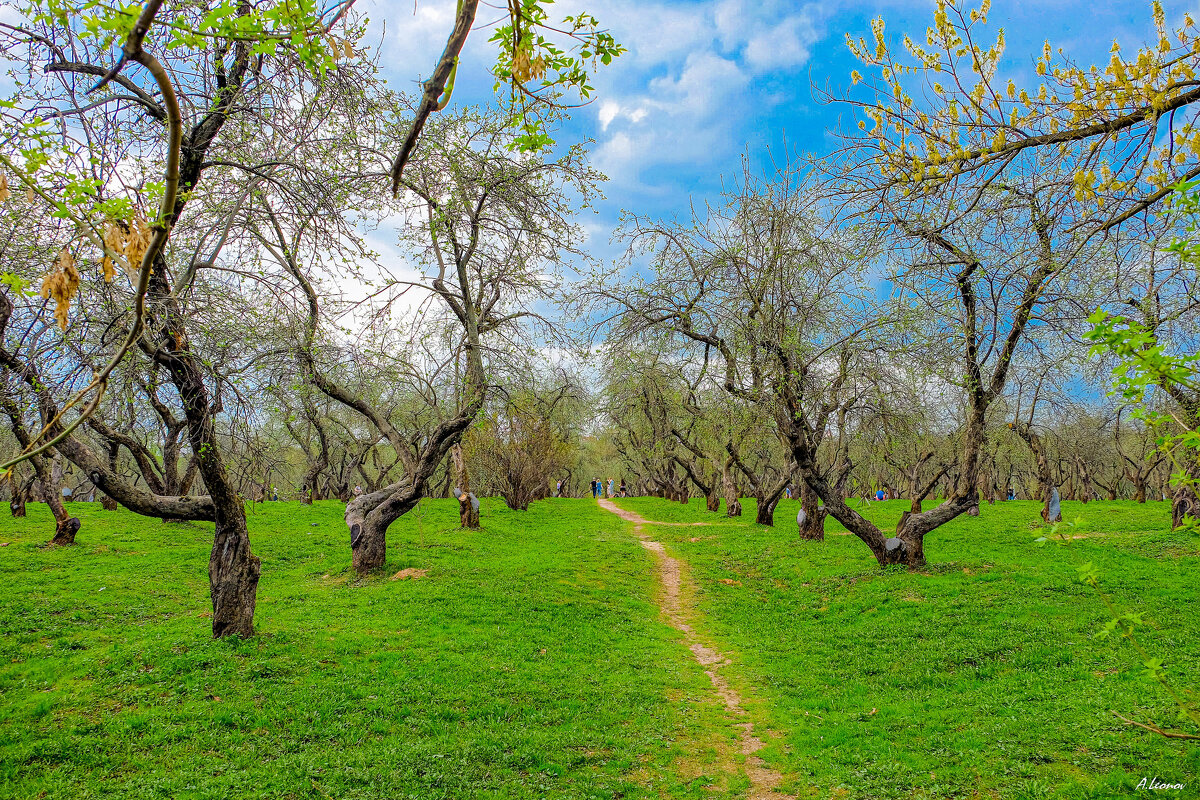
{"x":61,"y":285}
{"x":4,"y":192}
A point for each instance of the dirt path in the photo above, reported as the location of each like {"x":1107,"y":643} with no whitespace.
{"x":763,"y":780}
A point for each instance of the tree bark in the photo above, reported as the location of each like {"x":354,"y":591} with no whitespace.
{"x":1139,"y":486}
{"x":233,"y":570}
{"x":813,"y":528}
{"x":1044,"y":476}
{"x":765,"y":510}
{"x":733,"y":506}
{"x":49,"y":477}
{"x":1184,"y":503}
{"x":20,"y":496}
{"x":467,"y":515}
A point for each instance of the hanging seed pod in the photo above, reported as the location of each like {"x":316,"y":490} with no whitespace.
{"x":520,"y":66}
{"x":61,"y":285}
{"x":347,"y":48}
{"x":4,"y":192}
{"x":136,"y":244}
{"x":114,"y":242}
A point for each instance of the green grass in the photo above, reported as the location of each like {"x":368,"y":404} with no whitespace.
{"x":981,"y":676}
{"x":531,"y":660}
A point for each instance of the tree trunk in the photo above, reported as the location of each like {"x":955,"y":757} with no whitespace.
{"x":369,"y":515}
{"x":65,"y":530}
{"x":733,"y":506}
{"x":20,"y":496}
{"x":467,"y":514}
{"x":368,"y":544}
{"x":712,"y":500}
{"x":233,"y":570}
{"x":765,"y":510}
{"x":1184,"y":503}
{"x":65,"y":526}
{"x":1085,"y":480}
{"x":1047,"y":497}
{"x":108,"y":503}
{"x":1138,"y":479}
{"x":813,"y":528}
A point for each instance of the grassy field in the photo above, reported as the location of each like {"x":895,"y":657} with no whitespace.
{"x":531,"y":660}
{"x":981,"y":676}
{"x":528,"y":662}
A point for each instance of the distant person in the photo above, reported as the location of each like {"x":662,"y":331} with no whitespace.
{"x":274,"y":493}
{"x":1011,"y":494}
{"x":787,"y":492}
{"x":880,"y":494}
{"x":593,"y":489}
{"x":610,"y":488}
{"x":624,"y":491}
{"x":558,"y":489}
{"x":358,"y":490}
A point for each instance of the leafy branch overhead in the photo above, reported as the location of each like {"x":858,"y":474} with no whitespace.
{"x":938,"y":109}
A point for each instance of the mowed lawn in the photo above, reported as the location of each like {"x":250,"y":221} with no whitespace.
{"x":529,"y":662}
{"x":979,"y":677}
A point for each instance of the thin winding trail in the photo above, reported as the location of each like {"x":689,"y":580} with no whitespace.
{"x":763,"y":780}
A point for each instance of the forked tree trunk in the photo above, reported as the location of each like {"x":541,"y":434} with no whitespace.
{"x":369,"y":515}
{"x":765,"y":510}
{"x":1139,"y":487}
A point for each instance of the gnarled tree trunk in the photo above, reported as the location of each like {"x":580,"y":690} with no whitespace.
{"x":813,"y":528}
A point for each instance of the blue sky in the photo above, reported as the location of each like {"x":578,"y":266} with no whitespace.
{"x":705,"y":81}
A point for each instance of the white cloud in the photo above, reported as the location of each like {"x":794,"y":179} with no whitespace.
{"x":784,"y":45}
{"x":608,"y":112}
{"x":677,"y":96}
